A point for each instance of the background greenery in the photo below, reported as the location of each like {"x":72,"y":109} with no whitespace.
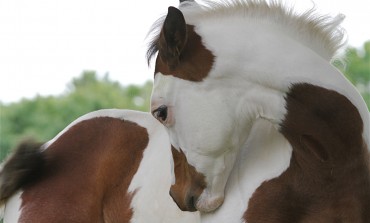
{"x":355,"y":64}
{"x":42,"y":118}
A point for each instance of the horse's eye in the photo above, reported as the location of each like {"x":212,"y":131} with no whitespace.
{"x":161,"y":113}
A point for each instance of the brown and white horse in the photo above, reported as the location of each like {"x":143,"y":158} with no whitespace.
{"x":263,"y":128}
{"x":107,"y":166}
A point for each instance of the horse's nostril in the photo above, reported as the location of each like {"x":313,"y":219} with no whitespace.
{"x":190,"y":204}
{"x":161,"y":113}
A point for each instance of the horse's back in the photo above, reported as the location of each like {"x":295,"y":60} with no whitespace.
{"x":90,"y":170}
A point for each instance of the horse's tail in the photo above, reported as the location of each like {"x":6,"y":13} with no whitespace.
{"x":21,"y":167}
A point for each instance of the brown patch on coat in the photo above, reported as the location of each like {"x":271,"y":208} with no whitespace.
{"x":195,"y":60}
{"x":189,"y":183}
{"x":328,"y":179}
{"x":89,"y":169}
{"x":181,"y":52}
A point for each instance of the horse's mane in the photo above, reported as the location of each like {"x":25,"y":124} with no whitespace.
{"x":322,"y":33}
{"x":22,"y":167}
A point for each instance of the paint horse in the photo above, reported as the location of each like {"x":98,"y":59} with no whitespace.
{"x":107,"y":166}
{"x":263,"y":128}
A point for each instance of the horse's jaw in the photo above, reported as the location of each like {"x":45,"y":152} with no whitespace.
{"x":217,"y":177}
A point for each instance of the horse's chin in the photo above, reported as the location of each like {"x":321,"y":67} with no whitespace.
{"x":208,"y":204}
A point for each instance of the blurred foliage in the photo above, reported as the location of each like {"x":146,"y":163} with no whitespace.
{"x":42,"y":118}
{"x":356,"y":67}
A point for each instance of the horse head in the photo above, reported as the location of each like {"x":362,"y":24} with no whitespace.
{"x":210,"y":152}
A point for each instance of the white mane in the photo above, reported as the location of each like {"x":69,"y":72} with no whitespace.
{"x":321,"y":33}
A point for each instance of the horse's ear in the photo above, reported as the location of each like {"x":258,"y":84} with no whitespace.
{"x":173,"y":37}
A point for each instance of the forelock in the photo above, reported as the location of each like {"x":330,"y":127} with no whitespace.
{"x":153,"y":36}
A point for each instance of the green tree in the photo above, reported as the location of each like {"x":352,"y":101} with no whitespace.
{"x":356,"y":67}
{"x":42,"y":118}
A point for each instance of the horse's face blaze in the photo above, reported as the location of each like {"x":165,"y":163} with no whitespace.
{"x":183,"y":87}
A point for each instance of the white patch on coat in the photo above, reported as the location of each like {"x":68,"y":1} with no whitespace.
{"x":12,"y":208}
{"x":2,"y":208}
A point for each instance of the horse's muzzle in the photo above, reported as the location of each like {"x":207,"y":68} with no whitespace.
{"x":185,"y":204}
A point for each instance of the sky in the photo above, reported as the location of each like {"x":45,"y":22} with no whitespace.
{"x":46,"y":43}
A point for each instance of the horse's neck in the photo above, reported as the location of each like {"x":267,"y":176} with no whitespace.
{"x":151,"y":185}
{"x":259,"y":160}
{"x":261,"y":58}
